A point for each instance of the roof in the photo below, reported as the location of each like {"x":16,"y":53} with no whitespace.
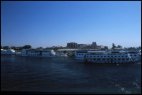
{"x":67,"y":49}
{"x":82,"y":51}
{"x":36,"y":50}
{"x":96,"y":51}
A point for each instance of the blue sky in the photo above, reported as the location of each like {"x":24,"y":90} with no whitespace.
{"x":44,"y":23}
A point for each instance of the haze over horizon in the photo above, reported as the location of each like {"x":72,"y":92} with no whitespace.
{"x":46,"y":23}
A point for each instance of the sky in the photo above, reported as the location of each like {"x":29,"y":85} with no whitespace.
{"x":46,"y":23}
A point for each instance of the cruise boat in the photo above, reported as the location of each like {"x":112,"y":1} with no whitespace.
{"x":38,"y":53}
{"x":80,"y":55}
{"x":135,"y":55}
{"x":104,"y":56}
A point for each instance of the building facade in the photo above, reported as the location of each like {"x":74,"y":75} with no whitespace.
{"x":94,"y":45}
{"x":72,"y":45}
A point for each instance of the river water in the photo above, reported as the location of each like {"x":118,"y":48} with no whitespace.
{"x":67,"y":75}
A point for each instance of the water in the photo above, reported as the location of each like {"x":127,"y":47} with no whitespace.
{"x":67,"y":75}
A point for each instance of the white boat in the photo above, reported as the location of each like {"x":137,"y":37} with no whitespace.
{"x":105,"y":56}
{"x":80,"y":55}
{"x":38,"y":53}
{"x":8,"y":52}
{"x":135,"y":55}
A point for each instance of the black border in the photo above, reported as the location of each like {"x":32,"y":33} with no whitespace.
{"x":48,"y":93}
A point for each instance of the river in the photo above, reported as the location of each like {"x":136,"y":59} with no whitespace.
{"x":67,"y":75}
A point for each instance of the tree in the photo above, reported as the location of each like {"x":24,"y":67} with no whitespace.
{"x":6,"y":47}
{"x":113,"y":46}
{"x":139,"y":47}
{"x":105,"y":47}
{"x":13,"y":47}
{"x":39,"y":48}
{"x":19,"y":48}
{"x":119,"y":46}
{"x":27,"y":47}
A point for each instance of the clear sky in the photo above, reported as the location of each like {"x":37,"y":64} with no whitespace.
{"x":44,"y":23}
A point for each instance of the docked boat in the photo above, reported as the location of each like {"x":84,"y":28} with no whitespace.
{"x":135,"y":55}
{"x":80,"y":55}
{"x":105,"y":56}
{"x":8,"y":52}
{"x":38,"y":53}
